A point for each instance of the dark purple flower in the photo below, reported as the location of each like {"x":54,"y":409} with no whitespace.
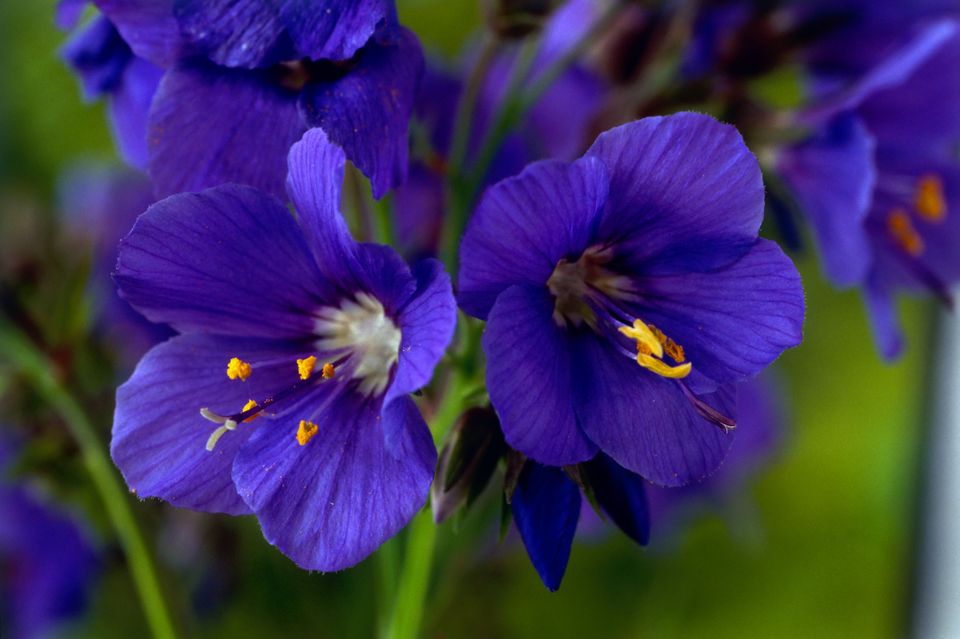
{"x":107,"y":68}
{"x":244,"y":81}
{"x":46,"y":564}
{"x":286,"y":395}
{"x":625,"y":294}
{"x":878,"y":174}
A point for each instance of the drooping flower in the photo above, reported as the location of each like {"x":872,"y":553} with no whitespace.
{"x":47,"y":564}
{"x":243,"y":82}
{"x":878,"y":173}
{"x":625,"y":294}
{"x":107,"y":68}
{"x":286,"y":394}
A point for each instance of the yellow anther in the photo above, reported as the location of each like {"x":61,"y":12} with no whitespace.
{"x":306,"y":432}
{"x":929,"y":200}
{"x":238,"y":369}
{"x":903,"y":232}
{"x":674,"y":350}
{"x":645,"y":338}
{"x":250,"y":404}
{"x":328,"y":371}
{"x":305,"y":366}
{"x":664,"y":370}
{"x":651,"y":343}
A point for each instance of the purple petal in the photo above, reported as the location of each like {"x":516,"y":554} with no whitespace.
{"x":427,"y":323}
{"x":314,"y":182}
{"x":731,"y":322}
{"x":329,"y":504}
{"x":367,"y":109}
{"x":234,"y":33}
{"x":130,"y":108}
{"x":894,"y":69}
{"x":148,"y":26}
{"x":211,"y":125}
{"x":332,"y":29}
{"x":685,"y":192}
{"x":622,"y":495}
{"x":99,"y":57}
{"x":159,"y":437}
{"x":546,"y":506}
{"x":643,"y":421}
{"x":525,"y":224}
{"x":529,"y":378}
{"x":230,"y":260}
{"x":882,"y":312}
{"x":832,"y":175}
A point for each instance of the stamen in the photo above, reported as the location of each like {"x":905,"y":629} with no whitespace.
{"x":306,"y":431}
{"x":650,"y":346}
{"x":929,"y":200}
{"x":709,"y":413}
{"x":238,"y":369}
{"x":250,"y":405}
{"x":903,"y":232}
{"x":328,"y":371}
{"x":305,"y":366}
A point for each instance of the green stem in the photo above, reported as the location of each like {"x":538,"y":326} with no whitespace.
{"x":458,"y":206}
{"x":35,"y":366}
{"x":415,"y":578}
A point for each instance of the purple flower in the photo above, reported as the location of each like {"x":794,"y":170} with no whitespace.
{"x":46,"y":564}
{"x":286,"y":394}
{"x":878,"y":174}
{"x":108,"y":68}
{"x":625,"y":294}
{"x":243,"y":83}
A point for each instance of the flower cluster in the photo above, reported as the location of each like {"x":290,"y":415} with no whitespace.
{"x":608,"y":235}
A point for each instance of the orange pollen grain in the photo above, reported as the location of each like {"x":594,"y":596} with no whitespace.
{"x":903,"y":232}
{"x":328,"y":371}
{"x":306,"y":432}
{"x":929,"y":201}
{"x":674,"y":350}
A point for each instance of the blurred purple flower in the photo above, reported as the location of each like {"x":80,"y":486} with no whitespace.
{"x":321,"y":338}
{"x":572,"y":265}
{"x":879,"y":173}
{"x":243,"y":82}
{"x":46,"y":564}
{"x":107,"y":68}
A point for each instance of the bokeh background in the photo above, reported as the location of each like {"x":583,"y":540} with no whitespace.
{"x":821,"y":544}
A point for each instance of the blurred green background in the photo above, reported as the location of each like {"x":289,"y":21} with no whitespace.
{"x":820,"y":548}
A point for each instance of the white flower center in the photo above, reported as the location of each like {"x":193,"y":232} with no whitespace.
{"x":372,"y":341}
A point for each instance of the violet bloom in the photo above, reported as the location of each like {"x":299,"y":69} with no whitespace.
{"x":107,"y":68}
{"x":625,"y":294}
{"x":243,"y":83}
{"x":46,"y":564}
{"x":877,"y":175}
{"x":286,"y":394}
